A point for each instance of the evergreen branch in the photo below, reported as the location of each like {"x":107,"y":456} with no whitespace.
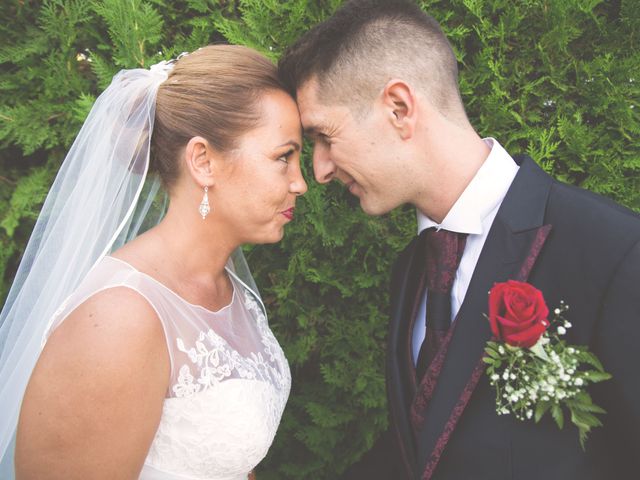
{"x":6,"y":180}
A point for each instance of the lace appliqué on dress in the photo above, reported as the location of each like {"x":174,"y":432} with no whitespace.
{"x":226,"y":407}
{"x":215,"y":360}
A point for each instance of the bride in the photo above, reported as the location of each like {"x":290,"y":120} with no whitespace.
{"x":148,"y":355}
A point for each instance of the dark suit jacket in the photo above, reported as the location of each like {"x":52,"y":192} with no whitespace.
{"x":591,"y":260}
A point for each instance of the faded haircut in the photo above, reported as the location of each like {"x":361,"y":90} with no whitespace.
{"x":366,"y":43}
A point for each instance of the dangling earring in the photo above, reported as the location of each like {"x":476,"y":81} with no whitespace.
{"x":204,"y":208}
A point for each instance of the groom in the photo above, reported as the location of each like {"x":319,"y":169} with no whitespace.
{"x":377,"y":89}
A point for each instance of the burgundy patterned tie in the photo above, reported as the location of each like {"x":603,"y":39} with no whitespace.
{"x":443,"y":250}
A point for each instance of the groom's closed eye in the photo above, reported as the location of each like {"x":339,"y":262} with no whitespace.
{"x":324,"y":138}
{"x":316,"y":136}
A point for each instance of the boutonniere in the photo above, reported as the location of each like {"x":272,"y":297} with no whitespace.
{"x":533,"y":370}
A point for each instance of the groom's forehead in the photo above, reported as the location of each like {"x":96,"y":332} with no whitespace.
{"x":315,"y":114}
{"x":320,"y":119}
{"x":307,"y":96}
{"x":312,"y":114}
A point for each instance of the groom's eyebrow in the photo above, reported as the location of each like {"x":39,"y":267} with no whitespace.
{"x":311,"y":131}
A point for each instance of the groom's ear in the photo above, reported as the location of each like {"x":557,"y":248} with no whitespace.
{"x":399,"y":100}
{"x":199,"y":157}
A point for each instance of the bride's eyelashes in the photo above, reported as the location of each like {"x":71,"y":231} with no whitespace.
{"x":285,"y":157}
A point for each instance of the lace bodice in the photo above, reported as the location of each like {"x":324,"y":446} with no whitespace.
{"x":229,"y":378}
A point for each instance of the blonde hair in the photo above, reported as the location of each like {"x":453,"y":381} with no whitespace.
{"x":214,"y":93}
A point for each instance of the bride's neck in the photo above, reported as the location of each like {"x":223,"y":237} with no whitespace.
{"x":196,"y":247}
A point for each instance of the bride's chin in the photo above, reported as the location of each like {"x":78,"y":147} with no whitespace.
{"x":278,"y":236}
{"x":272,"y":237}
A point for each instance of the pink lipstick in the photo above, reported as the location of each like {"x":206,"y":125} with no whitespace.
{"x":288,"y":213}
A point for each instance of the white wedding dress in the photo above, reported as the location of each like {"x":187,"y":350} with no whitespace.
{"x":229,"y":378}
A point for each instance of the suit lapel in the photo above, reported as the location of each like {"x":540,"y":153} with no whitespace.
{"x":516,"y":233}
{"x":405,"y":285}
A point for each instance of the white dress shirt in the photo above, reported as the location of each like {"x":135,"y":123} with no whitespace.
{"x":473,"y":213}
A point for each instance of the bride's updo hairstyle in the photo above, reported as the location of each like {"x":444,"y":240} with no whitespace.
{"x":214,"y":93}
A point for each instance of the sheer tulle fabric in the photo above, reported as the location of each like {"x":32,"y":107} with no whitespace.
{"x":91,"y":200}
{"x":101,"y":198}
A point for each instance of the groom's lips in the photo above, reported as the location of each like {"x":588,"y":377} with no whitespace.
{"x":350,"y":186}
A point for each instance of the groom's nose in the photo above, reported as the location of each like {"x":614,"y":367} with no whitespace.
{"x":323,"y":167}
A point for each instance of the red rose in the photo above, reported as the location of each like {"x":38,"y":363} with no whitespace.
{"x":517,"y":313}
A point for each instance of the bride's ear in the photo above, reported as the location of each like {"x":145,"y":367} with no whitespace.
{"x":199,"y":157}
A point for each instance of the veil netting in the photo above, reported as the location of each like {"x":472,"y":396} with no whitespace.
{"x":101,"y":198}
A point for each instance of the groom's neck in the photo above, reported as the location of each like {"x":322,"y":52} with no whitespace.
{"x":452,"y":157}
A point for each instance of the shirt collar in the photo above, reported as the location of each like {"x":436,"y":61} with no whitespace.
{"x":484,"y":193}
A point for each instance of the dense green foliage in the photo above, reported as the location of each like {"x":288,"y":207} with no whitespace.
{"x":557,"y":79}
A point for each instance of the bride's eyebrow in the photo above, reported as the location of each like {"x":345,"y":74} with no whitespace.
{"x":290,"y":143}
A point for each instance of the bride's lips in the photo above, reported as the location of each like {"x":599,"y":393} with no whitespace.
{"x":288,"y":213}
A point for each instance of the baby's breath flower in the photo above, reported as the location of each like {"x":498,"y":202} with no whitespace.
{"x":527,"y":378}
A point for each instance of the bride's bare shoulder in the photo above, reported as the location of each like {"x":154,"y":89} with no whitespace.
{"x":100,"y":368}
{"x":116,"y":320}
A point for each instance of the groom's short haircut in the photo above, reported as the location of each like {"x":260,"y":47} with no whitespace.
{"x":366,"y":43}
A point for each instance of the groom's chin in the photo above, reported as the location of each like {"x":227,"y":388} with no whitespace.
{"x":367,"y":204}
{"x":370,"y":208}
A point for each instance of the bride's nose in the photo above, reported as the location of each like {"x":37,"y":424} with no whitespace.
{"x":298,"y":186}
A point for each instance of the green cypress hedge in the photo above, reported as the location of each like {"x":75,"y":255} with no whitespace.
{"x":557,"y":79}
